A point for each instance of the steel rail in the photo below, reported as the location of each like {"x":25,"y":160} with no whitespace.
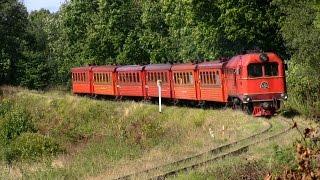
{"x":237,"y":151}
{"x":211,"y":152}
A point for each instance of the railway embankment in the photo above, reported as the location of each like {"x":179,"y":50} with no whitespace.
{"x":52,"y":135}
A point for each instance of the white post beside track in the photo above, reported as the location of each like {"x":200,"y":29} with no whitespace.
{"x":159,"y":82}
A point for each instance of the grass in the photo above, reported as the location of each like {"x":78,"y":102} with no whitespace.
{"x":101,"y":138}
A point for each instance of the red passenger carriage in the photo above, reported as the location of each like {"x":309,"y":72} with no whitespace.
{"x":130,"y":81}
{"x":184,"y":84}
{"x":155,"y":72}
{"x":81,"y":80}
{"x":211,"y":81}
{"x":104,"y":80}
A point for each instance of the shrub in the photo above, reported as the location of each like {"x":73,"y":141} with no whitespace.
{"x":144,"y":131}
{"x":284,"y":156}
{"x":15,"y":123}
{"x":5,"y":106}
{"x":31,"y":146}
{"x":303,"y":88}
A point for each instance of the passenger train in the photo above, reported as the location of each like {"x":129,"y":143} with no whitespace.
{"x":253,"y":82}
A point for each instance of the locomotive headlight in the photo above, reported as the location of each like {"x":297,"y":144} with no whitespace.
{"x":284,"y":96}
{"x":246,"y":98}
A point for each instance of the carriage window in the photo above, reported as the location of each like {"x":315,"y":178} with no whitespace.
{"x":255,"y":70}
{"x":183,"y":78}
{"x":208,"y":78}
{"x":134,"y":78}
{"x":153,"y":77}
{"x":271,"y":69}
{"x":121,"y":77}
{"x":138,"y":79}
{"x":165,"y":77}
{"x":218,"y":78}
{"x":187,"y":78}
{"x":211,"y":77}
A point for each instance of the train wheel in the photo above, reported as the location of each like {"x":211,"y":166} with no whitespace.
{"x":236,"y":103}
{"x":202,"y":104}
{"x":248,"y":108}
{"x":175,"y":102}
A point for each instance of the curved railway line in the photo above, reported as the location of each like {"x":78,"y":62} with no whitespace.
{"x":192,"y":162}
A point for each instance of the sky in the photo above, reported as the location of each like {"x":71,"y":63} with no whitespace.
{"x":52,"y":5}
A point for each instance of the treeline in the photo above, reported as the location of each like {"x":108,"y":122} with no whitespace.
{"x":38,"y":49}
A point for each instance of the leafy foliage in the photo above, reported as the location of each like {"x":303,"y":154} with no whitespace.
{"x":13,"y":28}
{"x":299,"y":29}
{"x":32,"y":146}
{"x":14,"y":123}
{"x":19,"y":139}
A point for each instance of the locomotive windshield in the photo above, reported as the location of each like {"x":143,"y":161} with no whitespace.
{"x":255,"y":70}
{"x":271,"y":69}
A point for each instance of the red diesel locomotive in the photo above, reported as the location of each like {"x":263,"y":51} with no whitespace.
{"x":254,"y":82}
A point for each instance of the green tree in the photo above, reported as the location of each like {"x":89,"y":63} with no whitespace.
{"x":33,"y":68}
{"x":249,"y":24}
{"x":301,"y":33}
{"x":13,"y":27}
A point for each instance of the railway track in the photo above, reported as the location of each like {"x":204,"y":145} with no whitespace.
{"x":192,"y":162}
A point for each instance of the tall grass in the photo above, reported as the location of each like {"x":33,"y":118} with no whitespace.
{"x":88,"y":137}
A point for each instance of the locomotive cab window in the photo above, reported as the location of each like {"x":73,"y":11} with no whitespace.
{"x":255,"y":70}
{"x":271,"y":69}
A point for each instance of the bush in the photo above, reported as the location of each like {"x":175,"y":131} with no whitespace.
{"x":284,"y":157}
{"x":32,"y":146}
{"x":5,"y":106}
{"x":144,"y":131}
{"x":14,"y":123}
